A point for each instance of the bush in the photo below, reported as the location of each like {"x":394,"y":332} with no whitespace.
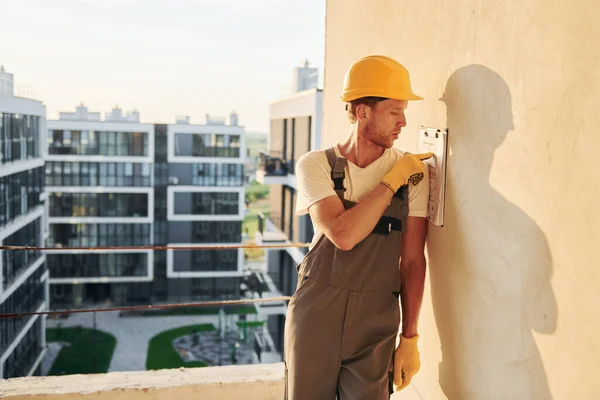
{"x":78,"y":358}
{"x":162,"y":354}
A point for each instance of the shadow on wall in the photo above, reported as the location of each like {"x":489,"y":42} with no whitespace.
{"x":490,"y":266}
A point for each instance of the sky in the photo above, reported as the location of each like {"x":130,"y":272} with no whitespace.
{"x":161,"y":57}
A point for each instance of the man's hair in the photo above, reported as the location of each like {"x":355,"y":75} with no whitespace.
{"x":370,"y":102}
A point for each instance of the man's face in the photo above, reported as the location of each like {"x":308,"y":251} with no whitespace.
{"x":385,"y":122}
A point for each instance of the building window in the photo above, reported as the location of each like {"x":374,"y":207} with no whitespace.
{"x":207,"y":145}
{"x":98,"y":204}
{"x":227,"y":288}
{"x":59,"y":173}
{"x":21,"y":360}
{"x":160,"y":233}
{"x":206,"y":203}
{"x":26,"y":298}
{"x":85,"y":235}
{"x":216,"y":231}
{"x":98,"y":143}
{"x":206,"y":260}
{"x":15,"y":262}
{"x":18,"y":137}
{"x":96,"y":265}
{"x":161,"y":174}
{"x":20,"y":193}
{"x":210,"y":174}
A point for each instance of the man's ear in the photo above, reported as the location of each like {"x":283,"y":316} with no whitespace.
{"x":362,"y":112}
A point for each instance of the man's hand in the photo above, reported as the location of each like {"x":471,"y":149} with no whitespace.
{"x":408,"y":169}
{"x":407,"y":361}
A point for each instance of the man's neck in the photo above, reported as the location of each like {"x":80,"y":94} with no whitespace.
{"x":359,"y":150}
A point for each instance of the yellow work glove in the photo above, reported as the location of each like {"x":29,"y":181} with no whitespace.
{"x":408,"y":169}
{"x":407,"y":361}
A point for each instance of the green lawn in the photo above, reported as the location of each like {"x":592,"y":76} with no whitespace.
{"x":250,"y":324}
{"x":256,"y":192}
{"x":242,"y":309}
{"x":262,"y":206}
{"x":250,"y":226}
{"x":78,"y":358}
{"x":162,"y":355}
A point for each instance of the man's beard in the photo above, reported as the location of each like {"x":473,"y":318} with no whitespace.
{"x":376,"y":135}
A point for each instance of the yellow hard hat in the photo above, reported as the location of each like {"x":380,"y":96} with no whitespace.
{"x":377,"y":76}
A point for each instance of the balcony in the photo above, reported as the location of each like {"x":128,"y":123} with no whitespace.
{"x":213,"y":151}
{"x":263,"y":285}
{"x":273,"y":169}
{"x":269,"y":233}
{"x":264,"y":348}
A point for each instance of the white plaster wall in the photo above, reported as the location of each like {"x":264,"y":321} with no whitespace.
{"x":307,"y":102}
{"x":510,"y":305}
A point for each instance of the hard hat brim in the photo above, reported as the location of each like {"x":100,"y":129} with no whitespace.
{"x":350,"y":96}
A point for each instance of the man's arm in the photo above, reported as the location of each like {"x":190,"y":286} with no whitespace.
{"x":412,"y":271}
{"x":347,"y":228}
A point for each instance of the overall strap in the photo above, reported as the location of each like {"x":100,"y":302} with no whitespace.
{"x":337,"y":165}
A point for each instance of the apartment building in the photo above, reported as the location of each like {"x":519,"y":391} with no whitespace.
{"x":205,"y":204}
{"x":23,"y":274}
{"x":295,"y":129}
{"x":99,"y":188}
{"x":118,"y":182}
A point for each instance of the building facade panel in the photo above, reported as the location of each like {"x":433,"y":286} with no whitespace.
{"x":69,"y":173}
{"x":20,"y":194}
{"x":23,"y":273}
{"x":99,"y":185}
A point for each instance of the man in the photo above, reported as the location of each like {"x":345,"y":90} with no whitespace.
{"x":368,"y":203}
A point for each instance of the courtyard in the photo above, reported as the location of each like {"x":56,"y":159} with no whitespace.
{"x":156,"y":342}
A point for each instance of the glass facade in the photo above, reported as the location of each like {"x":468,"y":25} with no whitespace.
{"x":211,"y":174}
{"x":214,"y":288}
{"x":27,"y":298}
{"x":95,"y":265}
{"x":98,"y":204}
{"x":22,"y":359}
{"x":158,"y":289}
{"x":60,"y":173}
{"x":206,"y":231}
{"x":19,"y":194}
{"x":15,"y":262}
{"x":97,"y":143}
{"x":207,"y":203}
{"x":216,"y":231}
{"x":66,"y":296}
{"x":207,"y":145}
{"x":205,"y":260}
{"x":19,"y":137}
{"x":85,"y":235}
{"x":159,"y":175}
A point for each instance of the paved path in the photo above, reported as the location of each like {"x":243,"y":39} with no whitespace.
{"x":133,"y":334}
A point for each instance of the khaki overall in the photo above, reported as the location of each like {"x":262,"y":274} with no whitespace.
{"x":342,"y":321}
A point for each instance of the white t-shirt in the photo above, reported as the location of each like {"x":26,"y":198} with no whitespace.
{"x":313,"y":182}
